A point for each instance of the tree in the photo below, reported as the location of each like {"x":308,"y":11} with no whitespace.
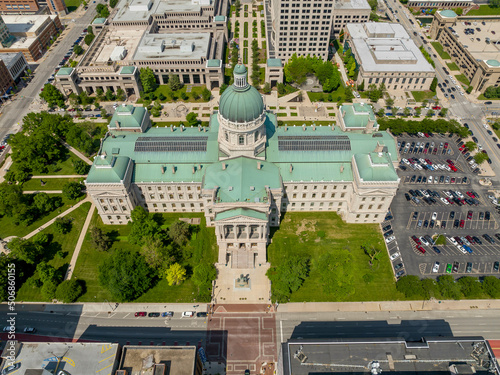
{"x":120,"y":94}
{"x":206,"y":94}
{"x":112,"y":3}
{"x":174,"y":82}
{"x":491,"y":286}
{"x":78,"y":49}
{"x":69,"y":290}
{"x":25,"y":250}
{"x":471,"y":146}
{"x":203,"y":274}
{"x":74,"y":99}
{"x":296,"y":69}
{"x":63,"y":225}
{"x":349,"y":96}
{"x":80,"y":167}
{"x":267,"y":88}
{"x":480,"y":157}
{"x":49,"y":290}
{"x":148,"y":80}
{"x":494,"y":3}
{"x":336,"y":273}
{"x":288,"y":277}
{"x":99,"y":93}
{"x":84,"y":98}
{"x":175,"y":274}
{"x":88,"y":39}
{"x":192,"y":119}
{"x":156,"y":254}
{"x":110,"y":96}
{"x":179,"y":232}
{"x":460,"y":11}
{"x":52,"y":96}
{"x":380,"y":112}
{"x":418,"y":111}
{"x":361,"y":86}
{"x":72,"y":190}
{"x":45,"y":272}
{"x":44,"y":203}
{"x":433,"y":84}
{"x":448,"y":288}
{"x":143,"y":226}
{"x":406,"y":111}
{"x":222,"y":88}
{"x":100,"y":240}
{"x":430,"y":113}
{"x":470,"y":286}
{"x":410,"y":286}
{"x":373,"y":4}
{"x":389,"y":102}
{"x":126,"y":275}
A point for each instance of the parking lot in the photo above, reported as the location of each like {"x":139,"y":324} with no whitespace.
{"x":434,"y":199}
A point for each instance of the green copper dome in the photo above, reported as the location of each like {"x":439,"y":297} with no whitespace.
{"x":241,"y":102}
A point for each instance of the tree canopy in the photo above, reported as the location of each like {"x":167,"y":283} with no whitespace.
{"x":52,"y":96}
{"x":336,"y":272}
{"x":288,"y":277}
{"x":398,"y":126}
{"x":148,"y":80}
{"x":298,"y":67}
{"x":69,"y":290}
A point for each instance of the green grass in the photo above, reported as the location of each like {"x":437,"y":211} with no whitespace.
{"x":288,"y":90}
{"x":420,"y":96}
{"x":440,"y":51}
{"x":453,"y":66}
{"x":165,"y":90}
{"x":72,"y":5}
{"x":293,"y":114}
{"x":8,"y":228}
{"x":339,"y":235}
{"x":281,"y":114}
{"x":245,"y":30}
{"x":484,"y":10}
{"x":462,"y":78}
{"x":482,"y":97}
{"x":245,"y":55}
{"x":64,"y":167}
{"x":63,"y":242}
{"x":50,"y":183}
{"x":202,"y":243}
{"x":334,"y":96}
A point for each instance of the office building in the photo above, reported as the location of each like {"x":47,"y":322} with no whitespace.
{"x":476,"y":53}
{"x":16,"y":64}
{"x":442,"y":4}
{"x":6,"y":81}
{"x":349,"y":11}
{"x":243,"y":171}
{"x":57,"y":7}
{"x":386,"y":54}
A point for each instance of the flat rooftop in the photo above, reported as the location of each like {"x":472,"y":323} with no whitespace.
{"x":352,"y":4}
{"x":23,"y":42}
{"x":172,"y":46}
{"x":301,"y":357}
{"x":137,"y":10}
{"x":21,"y":24}
{"x":128,"y":38}
{"x":479,"y":48}
{"x":8,"y":57}
{"x":386,"y":47}
{"x":180,"y":360}
{"x":78,"y":358}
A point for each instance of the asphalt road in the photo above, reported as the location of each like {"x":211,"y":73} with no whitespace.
{"x":13,"y":113}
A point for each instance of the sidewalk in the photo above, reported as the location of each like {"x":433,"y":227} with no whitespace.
{"x":42,"y":191}
{"x":61,"y":176}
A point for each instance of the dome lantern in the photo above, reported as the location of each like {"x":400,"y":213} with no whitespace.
{"x":240,"y":76}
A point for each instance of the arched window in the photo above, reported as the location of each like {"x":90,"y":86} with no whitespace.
{"x":241,"y":140}
{"x":227,"y":137}
{"x":256,"y":136}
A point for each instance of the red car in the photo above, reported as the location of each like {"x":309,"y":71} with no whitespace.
{"x":416,"y":239}
{"x":450,"y":162}
{"x":446,"y":145}
{"x":421,"y":249}
{"x":462,"y":223}
{"x":428,"y":161}
{"x":141,"y":313}
{"x":426,"y":135}
{"x":469,"y":194}
{"x":453,"y":168}
{"x":469,"y":215}
{"x":436,"y":107}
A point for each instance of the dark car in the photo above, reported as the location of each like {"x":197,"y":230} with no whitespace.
{"x":154,"y":314}
{"x":201,"y":315}
{"x":415,"y":215}
{"x":456,"y":223}
{"x":455,"y":267}
{"x":436,"y":249}
{"x":452,"y":214}
{"x":426,"y":223}
{"x":407,"y":196}
{"x":495,"y":266}
{"x":487,"y":215}
{"x":387,"y":234}
{"x":398,"y":266}
{"x":468,"y":268}
{"x":400,"y":273}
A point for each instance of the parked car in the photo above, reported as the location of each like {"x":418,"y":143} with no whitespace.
{"x":168,"y":314}
{"x":29,"y":330}
{"x":187,"y":314}
{"x":141,"y":313}
{"x":154,"y":314}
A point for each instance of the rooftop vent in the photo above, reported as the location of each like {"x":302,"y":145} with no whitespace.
{"x":230,"y":188}
{"x":252,"y":188}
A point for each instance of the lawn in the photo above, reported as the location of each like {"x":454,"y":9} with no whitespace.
{"x":72,"y":5}
{"x":50,"y":183}
{"x":439,"y":49}
{"x":195,"y":90}
{"x":334,"y":96}
{"x":8,"y":228}
{"x":482,"y":97}
{"x":420,"y":96}
{"x":289,"y":239}
{"x":453,"y":66}
{"x":484,"y":10}
{"x":64,"y":167}
{"x":288,"y":90}
{"x":60,"y":242}
{"x":462,"y":78}
{"x":202,"y":244}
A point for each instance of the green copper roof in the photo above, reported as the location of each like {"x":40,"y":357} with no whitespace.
{"x":241,"y":180}
{"x":127,"y":70}
{"x":448,"y":13}
{"x":240,"y":212}
{"x":240,"y":69}
{"x":241,"y":104}
{"x":357,"y":115}
{"x":64,"y":72}
{"x":220,"y":19}
{"x":99,"y":21}
{"x":128,"y":116}
{"x":306,"y":172}
{"x":375,"y":167}
{"x":274,"y":63}
{"x":158,"y":172}
{"x":213,"y":63}
{"x":108,"y":169}
{"x":493,"y":63}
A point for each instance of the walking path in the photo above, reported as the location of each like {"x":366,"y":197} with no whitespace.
{"x":61,"y":176}
{"x":83,"y":232}
{"x":78,"y":153}
{"x":42,"y":191}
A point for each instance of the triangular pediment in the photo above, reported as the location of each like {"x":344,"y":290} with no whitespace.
{"x":241,"y":219}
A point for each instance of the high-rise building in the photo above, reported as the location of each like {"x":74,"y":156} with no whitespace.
{"x":305,"y":27}
{"x":6,"y":39}
{"x":57,"y":7}
{"x":6,"y":81}
{"x":19,"y":6}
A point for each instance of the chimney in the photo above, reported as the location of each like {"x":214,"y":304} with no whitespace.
{"x":379,"y":148}
{"x":182,"y":128}
{"x":286,"y":127}
{"x":304,"y":127}
{"x":199,"y":167}
{"x":314,"y":126}
{"x":223,"y":166}
{"x":291,"y":168}
{"x":369,"y":126}
{"x":117,"y":124}
{"x":199,"y":128}
{"x":162,"y":169}
{"x":103,"y":155}
{"x":194,"y":169}
{"x":173,"y":169}
{"x":341,"y":169}
{"x":171,"y":128}
{"x":259,"y":165}
{"x":333,"y":127}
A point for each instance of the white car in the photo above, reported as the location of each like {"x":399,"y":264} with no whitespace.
{"x":447,"y":168}
{"x":424,"y":241}
{"x":187,"y":314}
{"x":429,"y":180}
{"x":461,"y":93}
{"x":425,"y":194}
{"x":436,"y":267}
{"x":465,"y":241}
{"x":390,"y":239}
{"x":394,"y":256}
{"x":418,"y":166}
{"x":406,"y":161}
{"x":447,"y":194}
{"x":444,"y":201}
{"x":434,"y":216}
{"x":422,"y":161}
{"x":462,"y":249}
{"x":461,"y":196}
{"x":453,"y":241}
